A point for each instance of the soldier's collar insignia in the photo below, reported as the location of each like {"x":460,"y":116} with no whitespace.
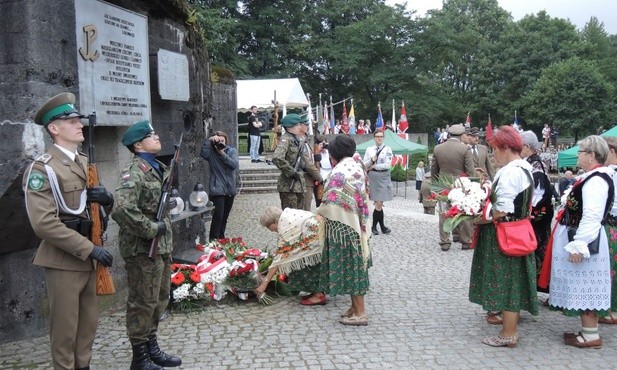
{"x":144,"y":167}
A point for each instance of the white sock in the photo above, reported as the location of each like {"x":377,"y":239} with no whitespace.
{"x":589,"y":334}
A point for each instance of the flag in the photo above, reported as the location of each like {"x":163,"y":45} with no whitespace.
{"x":352,"y":120}
{"x":332,"y":121}
{"x":326,"y":119}
{"x":468,"y":120}
{"x":344,"y":122}
{"x":489,"y":129}
{"x":515,"y":123}
{"x":379,"y":122}
{"x":402,"y":123}
{"x":310,"y":116}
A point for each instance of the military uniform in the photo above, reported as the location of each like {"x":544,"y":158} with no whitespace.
{"x":291,"y":191}
{"x":55,"y":196}
{"x":453,"y":157}
{"x":137,"y":200}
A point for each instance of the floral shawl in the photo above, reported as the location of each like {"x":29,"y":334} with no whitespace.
{"x":299,"y":245}
{"x":346,"y":200}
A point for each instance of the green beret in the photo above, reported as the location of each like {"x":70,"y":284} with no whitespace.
{"x":293,"y":119}
{"x":61,"y":106}
{"x":137,"y":133}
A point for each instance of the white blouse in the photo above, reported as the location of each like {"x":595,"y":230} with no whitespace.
{"x":512,"y":180}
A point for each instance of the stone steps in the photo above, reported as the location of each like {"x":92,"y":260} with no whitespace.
{"x":261,"y":179}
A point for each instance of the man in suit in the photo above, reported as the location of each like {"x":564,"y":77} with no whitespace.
{"x":479,"y":153}
{"x":56,"y":196}
{"x":454,"y":158}
{"x":565,"y":181}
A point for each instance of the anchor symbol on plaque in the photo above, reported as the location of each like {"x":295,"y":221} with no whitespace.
{"x":89,"y":53}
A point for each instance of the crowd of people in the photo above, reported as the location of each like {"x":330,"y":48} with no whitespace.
{"x":326,"y":252}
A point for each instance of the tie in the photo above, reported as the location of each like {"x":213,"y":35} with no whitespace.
{"x":476,"y":158}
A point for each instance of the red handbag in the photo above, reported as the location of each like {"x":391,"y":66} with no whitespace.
{"x":516,"y":238}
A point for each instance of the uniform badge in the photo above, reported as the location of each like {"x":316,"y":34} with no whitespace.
{"x":36,"y":181}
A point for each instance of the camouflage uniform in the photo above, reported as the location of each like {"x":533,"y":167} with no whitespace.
{"x":284,"y":158}
{"x":137,"y":199}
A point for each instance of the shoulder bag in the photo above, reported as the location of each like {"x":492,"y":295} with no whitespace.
{"x":517,"y":238}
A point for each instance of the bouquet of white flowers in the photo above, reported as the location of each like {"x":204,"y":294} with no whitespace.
{"x":467,"y":201}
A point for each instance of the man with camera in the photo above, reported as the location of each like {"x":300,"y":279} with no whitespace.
{"x":223,"y":163}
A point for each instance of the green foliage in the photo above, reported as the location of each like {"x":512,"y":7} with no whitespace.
{"x":469,"y":56}
{"x":574,"y":96}
{"x":397,"y":173}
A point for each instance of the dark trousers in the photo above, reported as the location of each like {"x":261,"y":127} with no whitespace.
{"x":222,"y":208}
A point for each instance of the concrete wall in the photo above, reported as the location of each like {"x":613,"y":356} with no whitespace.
{"x":38,"y":54}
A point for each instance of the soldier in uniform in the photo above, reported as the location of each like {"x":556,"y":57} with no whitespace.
{"x":56,"y":196}
{"x":137,"y":200}
{"x":453,"y":157}
{"x":291,"y":182}
{"x":479,"y":153}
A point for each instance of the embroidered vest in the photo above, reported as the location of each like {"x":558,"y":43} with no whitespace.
{"x":574,"y":203}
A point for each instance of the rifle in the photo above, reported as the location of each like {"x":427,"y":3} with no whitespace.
{"x":297,"y":163}
{"x":165,"y":194}
{"x":104,"y":281}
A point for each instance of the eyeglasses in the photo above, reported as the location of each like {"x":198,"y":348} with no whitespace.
{"x":584,"y":151}
{"x":378,"y":136}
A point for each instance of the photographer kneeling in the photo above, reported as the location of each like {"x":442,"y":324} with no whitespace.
{"x":223,"y":160}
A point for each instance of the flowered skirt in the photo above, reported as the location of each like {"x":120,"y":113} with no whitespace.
{"x":499,"y":282}
{"x":342,"y":269}
{"x":304,"y":280}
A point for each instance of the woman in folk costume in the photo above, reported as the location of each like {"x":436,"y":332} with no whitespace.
{"x":611,"y":232}
{"x":298,"y":253}
{"x":378,"y":160}
{"x":578,"y":257}
{"x":346,"y":255}
{"x":499,"y":282}
{"x":542,"y":201}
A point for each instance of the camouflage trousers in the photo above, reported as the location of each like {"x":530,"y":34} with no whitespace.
{"x":148,"y":294}
{"x":292,"y":200}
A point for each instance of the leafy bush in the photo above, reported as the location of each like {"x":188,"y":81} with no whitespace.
{"x":397,"y":173}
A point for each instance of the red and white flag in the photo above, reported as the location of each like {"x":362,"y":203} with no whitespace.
{"x":403,"y":125}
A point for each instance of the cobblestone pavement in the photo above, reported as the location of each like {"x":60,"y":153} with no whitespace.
{"x":419,"y":317}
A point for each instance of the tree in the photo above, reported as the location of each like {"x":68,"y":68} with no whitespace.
{"x":574,"y":96}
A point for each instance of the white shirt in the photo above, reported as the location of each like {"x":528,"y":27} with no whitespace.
{"x":67,"y":152}
{"x":512,"y":181}
{"x":383,"y":162}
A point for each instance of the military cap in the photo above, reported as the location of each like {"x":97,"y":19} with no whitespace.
{"x":293,"y":119}
{"x":456,"y":130}
{"x":473,"y":131}
{"x":137,"y":133}
{"x":61,"y":106}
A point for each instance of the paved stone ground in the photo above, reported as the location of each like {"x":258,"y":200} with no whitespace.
{"x":419,"y":317}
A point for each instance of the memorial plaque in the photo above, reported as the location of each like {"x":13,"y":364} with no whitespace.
{"x":112,"y":58}
{"x":173,"y":75}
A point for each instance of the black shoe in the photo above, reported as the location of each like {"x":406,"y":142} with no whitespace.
{"x":269,"y":162}
{"x":253,"y":161}
{"x":456,"y":240}
{"x":445,"y":247}
{"x":385,"y":230}
{"x":141,"y":359}
{"x":159,"y":357}
{"x":466,"y":247}
{"x":374,"y":230}
{"x":258,"y":160}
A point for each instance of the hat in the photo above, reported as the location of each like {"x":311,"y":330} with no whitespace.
{"x":456,"y":130}
{"x":293,"y":119}
{"x":137,"y":133}
{"x":474,"y":131}
{"x":61,"y":106}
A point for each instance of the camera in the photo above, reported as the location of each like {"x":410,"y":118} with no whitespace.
{"x":219,"y":146}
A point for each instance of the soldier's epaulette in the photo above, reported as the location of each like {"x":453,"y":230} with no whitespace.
{"x":143,"y":167}
{"x":44,"y":158}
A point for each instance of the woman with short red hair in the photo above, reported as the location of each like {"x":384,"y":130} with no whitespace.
{"x":498,"y":282}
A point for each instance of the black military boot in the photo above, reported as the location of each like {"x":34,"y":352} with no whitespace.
{"x":375,"y":221}
{"x":141,"y":359}
{"x":384,"y":229}
{"x":159,"y":357}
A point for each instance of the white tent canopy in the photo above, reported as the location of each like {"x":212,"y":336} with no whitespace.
{"x":260,"y":93}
